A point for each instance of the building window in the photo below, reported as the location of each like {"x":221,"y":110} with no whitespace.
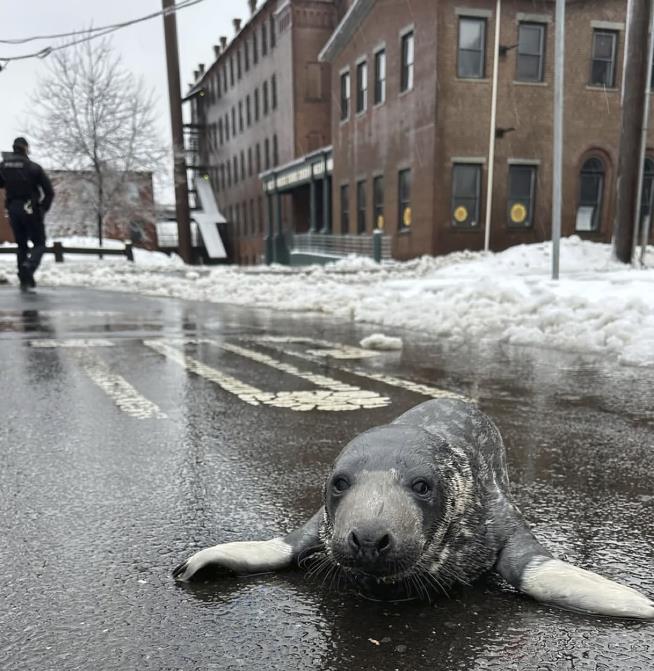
{"x":472,"y":48}
{"x":225,"y":78}
{"x":266,"y":153}
{"x":406,"y":75}
{"x":255,"y":49}
{"x":227,"y":127}
{"x":275,"y":151}
{"x":246,"y":54}
{"x":260,"y":215}
{"x":221,"y":136}
{"x":531,"y":52}
{"x":522,"y":188}
{"x":222,"y":176}
{"x":361,"y":207}
{"x":239,"y":72}
{"x":466,"y":195}
{"x":265,"y":98}
{"x":233,"y":121}
{"x":591,"y":193}
{"x":264,"y":39}
{"x":362,"y":86}
{"x":257,"y":157}
{"x":605,"y":44}
{"x":378,"y":202}
{"x":345,"y":95}
{"x":380,"y":76}
{"x":250,"y":162}
{"x":242,"y":165}
{"x":240,"y":116}
{"x":231,"y":71}
{"x":218,"y":86}
{"x":314,"y":82}
{"x":273,"y":91}
{"x":256,"y":104}
{"x":229,"y":174}
{"x":244,"y":218}
{"x":648,"y":181}
{"x":235,"y":161}
{"x":405,"y":215}
{"x":273,"y":37}
{"x":248,"y":110}
{"x":345,"y":208}
{"x":253,"y":220}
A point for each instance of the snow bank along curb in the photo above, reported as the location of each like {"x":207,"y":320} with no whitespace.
{"x":598,"y":306}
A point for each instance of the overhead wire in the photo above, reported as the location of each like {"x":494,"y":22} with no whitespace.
{"x":87,"y":35}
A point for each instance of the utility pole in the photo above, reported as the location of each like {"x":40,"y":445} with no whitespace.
{"x":633,"y":103}
{"x":557,"y":156}
{"x":176,"y":122}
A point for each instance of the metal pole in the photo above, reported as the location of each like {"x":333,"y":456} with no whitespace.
{"x":493,"y":123}
{"x":176,"y":122}
{"x":557,"y":166}
{"x":643,"y":141}
{"x":632,"y":105}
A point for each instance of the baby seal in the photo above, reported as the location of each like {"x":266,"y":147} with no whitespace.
{"x":419,"y":505}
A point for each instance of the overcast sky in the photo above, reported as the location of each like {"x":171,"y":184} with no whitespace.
{"x":142,"y":46}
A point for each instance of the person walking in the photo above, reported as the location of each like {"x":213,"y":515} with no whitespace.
{"x":29,"y":195}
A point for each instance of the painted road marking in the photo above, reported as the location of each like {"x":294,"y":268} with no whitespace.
{"x":391,"y":380}
{"x":119,"y":390}
{"x":47,"y":343}
{"x":116,"y":387}
{"x":322,"y":348}
{"x":331,"y":395}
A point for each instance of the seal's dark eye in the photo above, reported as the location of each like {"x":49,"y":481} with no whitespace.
{"x":421,"y":487}
{"x":340,"y":484}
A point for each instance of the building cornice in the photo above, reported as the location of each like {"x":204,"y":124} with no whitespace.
{"x":346,"y":29}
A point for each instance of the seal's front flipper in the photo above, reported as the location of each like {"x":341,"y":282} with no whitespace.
{"x":527,"y":565}
{"x":255,"y":556}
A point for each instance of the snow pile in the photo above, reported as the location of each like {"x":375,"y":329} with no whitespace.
{"x":381,"y":342}
{"x":598,"y":306}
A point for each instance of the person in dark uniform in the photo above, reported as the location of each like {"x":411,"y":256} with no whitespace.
{"x":29,"y":195}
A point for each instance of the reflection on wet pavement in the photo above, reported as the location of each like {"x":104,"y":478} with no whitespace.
{"x":97,"y":506}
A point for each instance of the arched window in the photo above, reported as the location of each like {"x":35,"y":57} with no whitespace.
{"x":591,"y":194}
{"x":648,"y":180}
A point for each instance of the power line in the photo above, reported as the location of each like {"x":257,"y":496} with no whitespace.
{"x":90,"y":34}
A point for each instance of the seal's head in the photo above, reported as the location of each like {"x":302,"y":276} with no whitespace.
{"x":388,"y":503}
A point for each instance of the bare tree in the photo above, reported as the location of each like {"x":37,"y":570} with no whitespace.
{"x":91,"y":115}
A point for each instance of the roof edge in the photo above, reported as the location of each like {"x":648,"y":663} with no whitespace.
{"x":344,"y":31}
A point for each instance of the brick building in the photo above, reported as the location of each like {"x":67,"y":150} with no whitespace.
{"x":411,"y":139}
{"x":398,"y":138}
{"x":263,"y":102}
{"x":130,"y":211}
{"x":5,"y":230}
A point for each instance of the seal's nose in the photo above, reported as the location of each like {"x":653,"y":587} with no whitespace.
{"x":370,"y":543}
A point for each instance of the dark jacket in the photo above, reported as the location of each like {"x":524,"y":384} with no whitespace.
{"x":25,"y":180}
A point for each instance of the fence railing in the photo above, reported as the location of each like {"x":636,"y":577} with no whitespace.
{"x":339,"y":245}
{"x":58,"y":249}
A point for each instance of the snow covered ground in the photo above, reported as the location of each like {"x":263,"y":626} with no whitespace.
{"x":598,"y":306}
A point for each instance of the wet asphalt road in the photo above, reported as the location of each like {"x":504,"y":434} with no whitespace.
{"x":117,"y":461}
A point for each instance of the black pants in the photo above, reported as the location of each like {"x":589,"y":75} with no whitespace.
{"x":27,"y":227}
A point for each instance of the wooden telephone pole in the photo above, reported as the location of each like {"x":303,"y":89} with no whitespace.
{"x":174,"y":91}
{"x":634,"y":89}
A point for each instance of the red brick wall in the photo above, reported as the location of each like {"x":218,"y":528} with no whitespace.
{"x":5,"y":230}
{"x":445,"y":118}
